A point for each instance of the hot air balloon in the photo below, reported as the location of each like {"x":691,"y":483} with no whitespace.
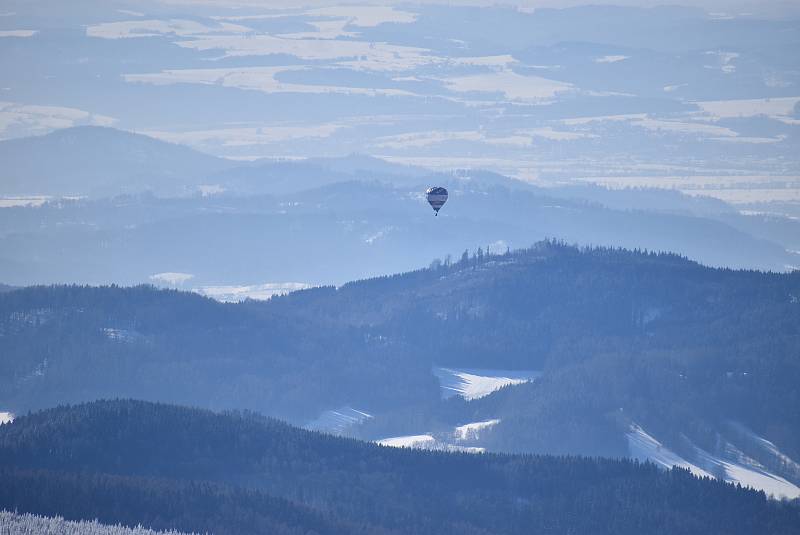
{"x":436,"y":197}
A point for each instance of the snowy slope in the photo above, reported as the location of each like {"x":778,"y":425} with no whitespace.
{"x":748,"y":473}
{"x":737,"y":467}
{"x":6,"y":417}
{"x":337,"y":421}
{"x":767,"y":449}
{"x":644,"y":447}
{"x":471,"y":383}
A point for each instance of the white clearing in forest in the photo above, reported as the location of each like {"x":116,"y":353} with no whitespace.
{"x":472,"y":431}
{"x":6,"y":418}
{"x":644,"y":447}
{"x":337,"y":421}
{"x":425,"y":442}
{"x":751,"y":476}
{"x":766,"y":446}
{"x":408,"y":441}
{"x":257,"y":292}
{"x":471,"y":383}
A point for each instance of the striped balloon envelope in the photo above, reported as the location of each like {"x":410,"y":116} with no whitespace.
{"x":436,"y":197}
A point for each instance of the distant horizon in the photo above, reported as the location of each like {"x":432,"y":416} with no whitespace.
{"x":755,"y":8}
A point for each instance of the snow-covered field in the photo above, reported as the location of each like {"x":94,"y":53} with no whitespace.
{"x":751,"y":475}
{"x":743,"y":470}
{"x":28,"y":119}
{"x":771,"y":107}
{"x":11,"y":202}
{"x":511,"y":85}
{"x":472,"y":431}
{"x":337,"y":421}
{"x":408,"y":441}
{"x":6,"y":417}
{"x":259,"y":292}
{"x":463,"y":438}
{"x":734,"y":189}
{"x":472,"y":383}
{"x":378,"y":60}
{"x":425,"y":442}
{"x":27,"y":524}
{"x":18,"y":33}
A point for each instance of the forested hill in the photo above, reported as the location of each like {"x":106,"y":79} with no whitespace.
{"x":671,"y":343}
{"x":533,"y":302}
{"x":112,"y":449}
{"x":620,"y":337}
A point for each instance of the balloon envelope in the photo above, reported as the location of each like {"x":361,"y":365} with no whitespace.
{"x":436,"y":198}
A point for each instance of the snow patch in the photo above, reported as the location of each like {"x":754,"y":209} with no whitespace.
{"x":366,"y":16}
{"x":725,"y":61}
{"x":772,"y":107}
{"x":12,"y":202}
{"x":120,"y":335}
{"x":18,"y":120}
{"x":425,"y":442}
{"x":512,"y":85}
{"x":325,"y":29}
{"x":548,"y":132}
{"x":254,"y":79}
{"x":472,"y":431}
{"x":360,"y":55}
{"x":258,"y":292}
{"x":610,"y":59}
{"x":171,"y":278}
{"x":154,"y":28}
{"x":673,"y":88}
{"x":130,"y":13}
{"x":407,"y":441}
{"x":209,"y":190}
{"x":6,"y":418}
{"x":476,"y":383}
{"x":18,"y":33}
{"x":337,"y":421}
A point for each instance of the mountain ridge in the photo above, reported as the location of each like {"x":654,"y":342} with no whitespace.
{"x":681,"y":348}
{"x":97,"y":161}
{"x":370,"y":484}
